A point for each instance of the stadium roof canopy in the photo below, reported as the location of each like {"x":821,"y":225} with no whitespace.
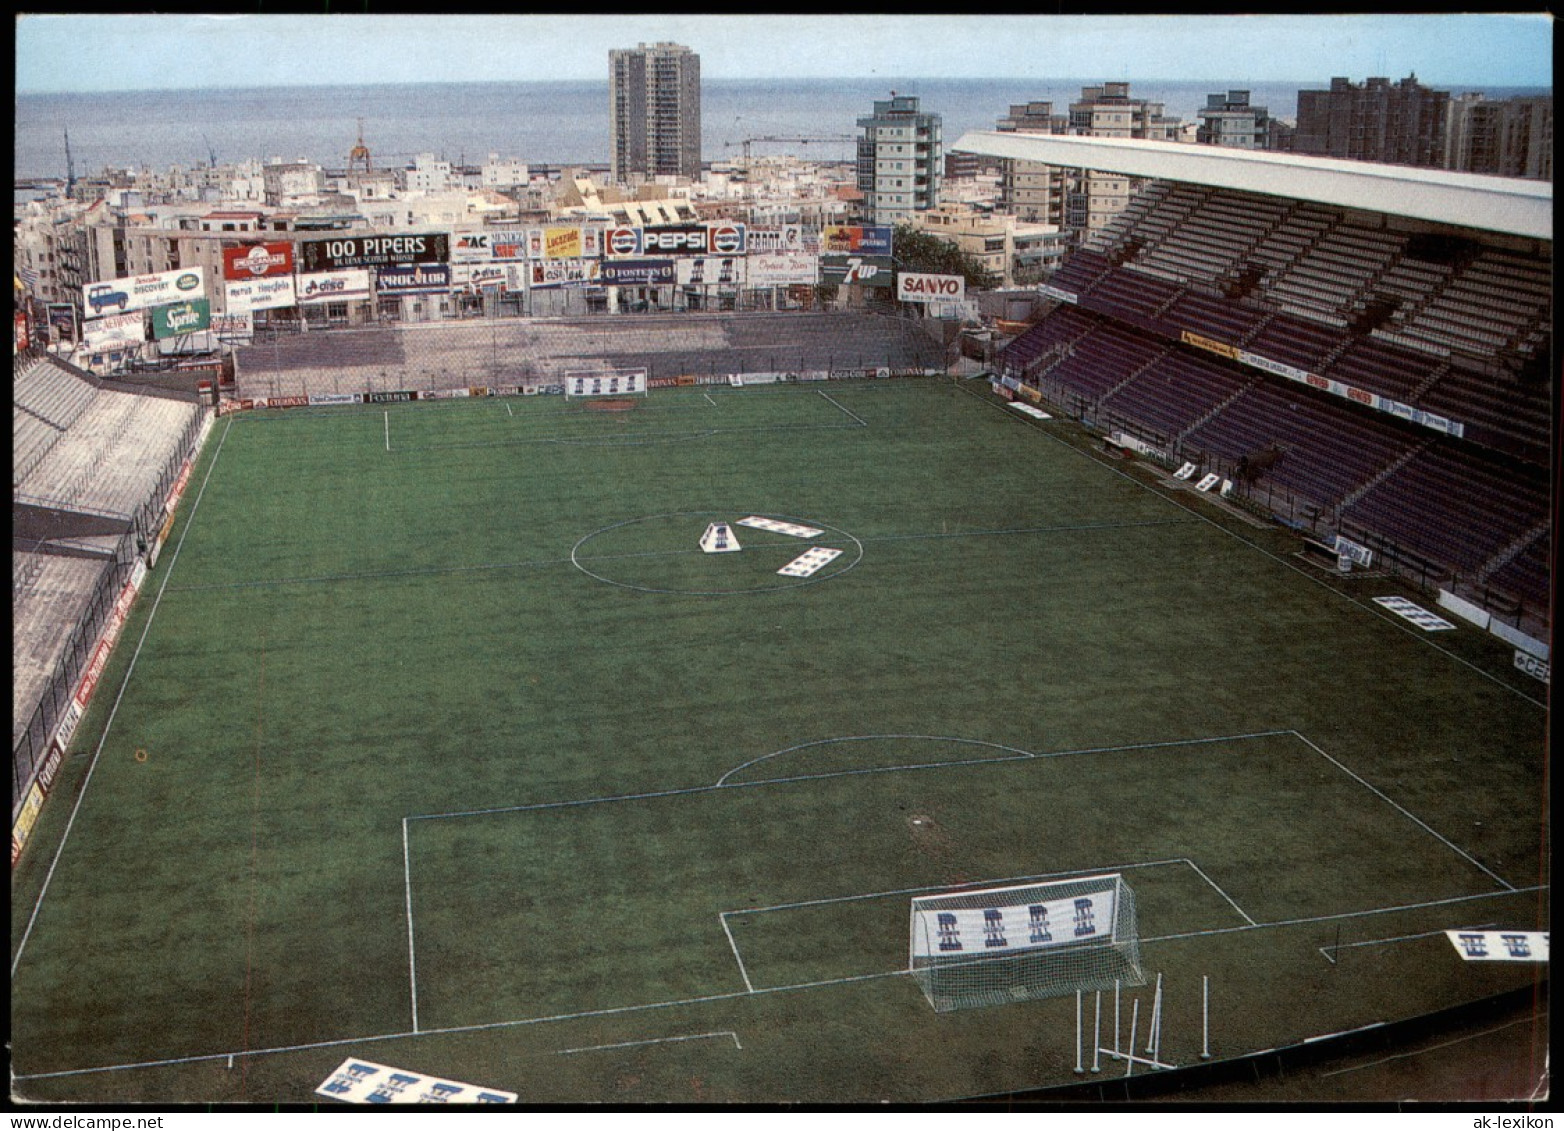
{"x":1491,"y":204}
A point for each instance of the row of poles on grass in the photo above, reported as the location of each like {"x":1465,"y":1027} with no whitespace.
{"x":1153,"y":1051}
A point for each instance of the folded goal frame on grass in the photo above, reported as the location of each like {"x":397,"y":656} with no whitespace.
{"x":999,"y":945}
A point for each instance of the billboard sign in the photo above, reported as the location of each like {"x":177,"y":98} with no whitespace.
{"x":233,"y":329}
{"x":788,"y":238}
{"x":121,"y":296}
{"x":472,"y":247}
{"x":181,"y":318}
{"x":637,"y":272}
{"x":334,"y":286}
{"x":846,"y":239}
{"x":413,"y":279}
{"x":100,"y":332}
{"x":507,"y":245}
{"x":62,"y":321}
{"x":474,"y":277}
{"x":692,"y":239}
{"x":623,"y":242}
{"x":864,"y":270}
{"x":711,"y":271}
{"x":782,"y":270}
{"x":373,"y":251}
{"x":257,"y":260}
{"x":563,"y":273}
{"x":568,"y":243}
{"x":914,"y":287}
{"x":259,"y":294}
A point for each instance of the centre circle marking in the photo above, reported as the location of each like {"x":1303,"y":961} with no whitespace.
{"x":575,"y":555}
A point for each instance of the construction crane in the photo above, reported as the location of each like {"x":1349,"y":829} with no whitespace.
{"x":798,"y":139}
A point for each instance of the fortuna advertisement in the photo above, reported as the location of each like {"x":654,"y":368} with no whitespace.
{"x":260,"y":260}
{"x":334,"y":286}
{"x":121,"y":296}
{"x":373,"y":251}
{"x":259,"y":294}
{"x":787,"y":239}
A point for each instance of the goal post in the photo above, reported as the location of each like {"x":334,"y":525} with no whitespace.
{"x":605,"y":383}
{"x":998,"y":945}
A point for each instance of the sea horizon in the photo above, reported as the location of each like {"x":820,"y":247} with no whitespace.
{"x":539,"y":121}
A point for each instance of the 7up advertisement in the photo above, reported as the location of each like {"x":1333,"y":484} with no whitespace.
{"x":181,"y":318}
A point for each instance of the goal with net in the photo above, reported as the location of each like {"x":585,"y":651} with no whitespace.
{"x":1008,"y":944}
{"x":606,"y":383}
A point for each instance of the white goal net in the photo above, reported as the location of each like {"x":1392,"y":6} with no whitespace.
{"x":998,"y":945}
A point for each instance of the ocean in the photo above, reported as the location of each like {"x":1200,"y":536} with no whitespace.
{"x":541,"y":123}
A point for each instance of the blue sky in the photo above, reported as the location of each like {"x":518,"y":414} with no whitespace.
{"x":61,"y":53}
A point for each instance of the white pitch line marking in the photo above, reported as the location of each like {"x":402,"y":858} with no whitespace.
{"x":655,"y":1041}
{"x":508,"y":412}
{"x":722,"y":917}
{"x":1327,"y":952}
{"x":388,"y":430}
{"x":412,"y":961}
{"x":1467,"y":856}
{"x":861,"y":421}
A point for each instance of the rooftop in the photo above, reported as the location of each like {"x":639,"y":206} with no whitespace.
{"x":1507,"y":205}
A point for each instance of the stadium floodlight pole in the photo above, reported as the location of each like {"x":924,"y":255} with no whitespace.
{"x":1078,"y":1066}
{"x":1129,"y":1059}
{"x":1097,"y":1037}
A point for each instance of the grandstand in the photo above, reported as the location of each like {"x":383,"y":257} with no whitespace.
{"x":1363,"y":362}
{"x":92,"y":469}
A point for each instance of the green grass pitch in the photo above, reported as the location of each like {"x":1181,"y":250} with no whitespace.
{"x":436,"y":740}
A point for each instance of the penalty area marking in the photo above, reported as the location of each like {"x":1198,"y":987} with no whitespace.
{"x":1329,"y":952}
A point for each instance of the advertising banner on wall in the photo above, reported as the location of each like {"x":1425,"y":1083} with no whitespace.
{"x":334,"y":286}
{"x":782,"y":270}
{"x":846,"y":239}
{"x":259,"y":294}
{"x":471,"y":247}
{"x":507,"y":245}
{"x":914,"y":287}
{"x":789,"y":238}
{"x":100,"y":332}
{"x":257,"y":261}
{"x":686,"y":239}
{"x":623,"y":242}
{"x":474,"y":277}
{"x":120,"y":296}
{"x":708,"y":271}
{"x":563,"y":273}
{"x":181,"y":318}
{"x":62,"y":322}
{"x":413,"y":279}
{"x":233,"y":329}
{"x":865,"y":270}
{"x":637,"y":273}
{"x":567,"y":243}
{"x":341,"y":252}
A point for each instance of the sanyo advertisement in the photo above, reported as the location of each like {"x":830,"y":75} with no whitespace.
{"x":118,"y":296}
{"x":913,"y":287}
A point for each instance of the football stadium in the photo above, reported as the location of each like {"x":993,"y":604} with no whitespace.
{"x":736,"y":707}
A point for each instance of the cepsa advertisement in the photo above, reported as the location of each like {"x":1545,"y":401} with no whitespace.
{"x":342,"y":252}
{"x":257,"y":261}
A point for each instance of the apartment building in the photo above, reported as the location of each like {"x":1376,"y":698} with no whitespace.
{"x":654,"y":118}
{"x":899,"y":160}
